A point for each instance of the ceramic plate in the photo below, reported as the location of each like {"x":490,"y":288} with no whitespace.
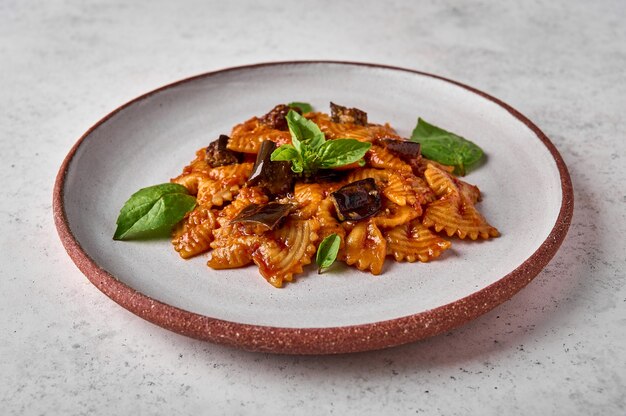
{"x":526,"y":188}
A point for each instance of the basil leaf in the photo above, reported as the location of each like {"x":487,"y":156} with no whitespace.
{"x":311,"y":151}
{"x":289,"y":153}
{"x":339,"y":152}
{"x":297,"y":166}
{"x":285,"y":152}
{"x":327,"y":252}
{"x":445,"y":147}
{"x":304,"y":107}
{"x":305,"y":131}
{"x":153,"y":211}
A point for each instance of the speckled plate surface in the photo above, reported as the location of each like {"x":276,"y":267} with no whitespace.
{"x":527,"y":196}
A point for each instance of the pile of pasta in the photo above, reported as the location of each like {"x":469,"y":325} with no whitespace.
{"x":422,"y":203}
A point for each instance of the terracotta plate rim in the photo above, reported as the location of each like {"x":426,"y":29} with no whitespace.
{"x":327,"y":340}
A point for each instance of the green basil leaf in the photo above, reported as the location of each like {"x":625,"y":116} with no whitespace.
{"x":153,"y":211}
{"x":327,"y":252}
{"x":304,"y":107}
{"x":339,"y":152}
{"x":297,"y":166}
{"x":285,"y":152}
{"x":289,"y":153}
{"x":446,"y":147}
{"x":304,"y":131}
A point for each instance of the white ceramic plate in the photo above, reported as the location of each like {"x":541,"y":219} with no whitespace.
{"x":526,"y":189}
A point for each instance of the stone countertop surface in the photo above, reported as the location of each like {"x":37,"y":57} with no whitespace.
{"x":558,"y":347}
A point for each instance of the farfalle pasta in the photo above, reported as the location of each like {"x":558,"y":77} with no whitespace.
{"x":455,"y":211}
{"x":386,"y":203}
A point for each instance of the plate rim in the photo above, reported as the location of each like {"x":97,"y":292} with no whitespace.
{"x":327,"y":340}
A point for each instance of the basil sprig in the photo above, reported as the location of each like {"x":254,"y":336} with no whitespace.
{"x":445,"y":147}
{"x":327,"y":252}
{"x":153,"y":211}
{"x":311,"y":151}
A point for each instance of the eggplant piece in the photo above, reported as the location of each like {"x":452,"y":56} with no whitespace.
{"x":269,"y":215}
{"x":275,"y":119}
{"x":276,"y":178}
{"x":325,"y":175}
{"x":218,"y":154}
{"x":357,"y":200}
{"x":405,"y":149}
{"x":340,"y":114}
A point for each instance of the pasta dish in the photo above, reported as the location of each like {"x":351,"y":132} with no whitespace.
{"x":265,"y":198}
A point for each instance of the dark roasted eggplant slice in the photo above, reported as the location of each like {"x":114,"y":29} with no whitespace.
{"x":275,"y":119}
{"x":217,"y":153}
{"x":357,"y":200}
{"x":340,"y":114}
{"x":325,"y":175}
{"x":269,"y":215}
{"x":403,"y":148}
{"x":276,"y":178}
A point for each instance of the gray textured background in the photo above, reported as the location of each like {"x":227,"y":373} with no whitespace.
{"x":558,"y":347}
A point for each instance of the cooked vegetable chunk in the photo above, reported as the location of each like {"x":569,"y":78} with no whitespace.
{"x":405,"y":149}
{"x":217,"y":153}
{"x":269,"y":215}
{"x":276,"y":117}
{"x":276,"y":178}
{"x":345,"y":115}
{"x":357,"y":200}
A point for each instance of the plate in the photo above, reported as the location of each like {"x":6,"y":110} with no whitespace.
{"x":526,"y":187}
